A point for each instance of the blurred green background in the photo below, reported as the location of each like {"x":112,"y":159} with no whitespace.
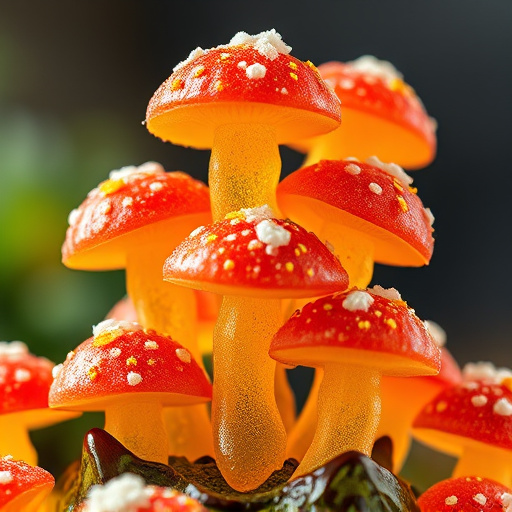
{"x":75,"y":79}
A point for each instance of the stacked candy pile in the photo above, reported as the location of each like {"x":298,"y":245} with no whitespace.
{"x":216,"y":273}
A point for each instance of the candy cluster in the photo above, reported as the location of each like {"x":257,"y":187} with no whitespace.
{"x":259,"y":276}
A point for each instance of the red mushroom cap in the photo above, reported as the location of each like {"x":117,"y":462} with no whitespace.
{"x":22,"y":485}
{"x":113,"y":215}
{"x":365,"y":198}
{"x":253,"y":79}
{"x":358,"y":327}
{"x":465,"y":494}
{"x":471,"y":411}
{"x":264,"y":257}
{"x":123,"y":359}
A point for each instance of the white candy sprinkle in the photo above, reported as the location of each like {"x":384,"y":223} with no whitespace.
{"x":284,"y":90}
{"x":73,"y":216}
{"x":479,"y":400}
{"x":258,"y":213}
{"x":430,"y":216}
{"x":115,"y":352}
{"x":347,"y":84}
{"x":246,"y":232}
{"x":127,"y":202}
{"x":484,"y":370}
{"x":197,"y":231}
{"x":5,"y":477}
{"x":242,"y":64}
{"x":118,"y":326}
{"x":269,"y":43}
{"x":353,"y":169}
{"x":151,"y":345}
{"x":56,"y":370}
{"x":437,"y":332}
{"x":272,"y":234}
{"x":134,"y":378}
{"x":13,"y":349}
{"x":502,"y":407}
{"x":22,"y":375}
{"x":231,"y":237}
{"x":480,"y":499}
{"x":387,"y":293}
{"x":156,"y":186}
{"x":130,"y":171}
{"x":125,"y":493}
{"x":352,"y":159}
{"x":194,"y":54}
{"x":451,"y":500}
{"x":358,"y":301}
{"x":183,"y":355}
{"x":395,"y":170}
{"x":255,"y":71}
{"x":506,"y":498}
{"x":376,"y":67}
{"x":375,"y":188}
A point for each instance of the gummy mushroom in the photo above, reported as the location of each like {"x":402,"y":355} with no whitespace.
{"x":472,"y":421}
{"x":131,"y":374}
{"x":382,"y":115}
{"x":356,"y":337}
{"x":262,"y":259}
{"x":367,"y":211}
{"x":25,"y":381}
{"x":129,"y":493}
{"x":466,"y":493}
{"x":22,"y":487}
{"x":401,"y":404}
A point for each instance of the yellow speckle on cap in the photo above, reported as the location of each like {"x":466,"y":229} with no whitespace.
{"x":397,"y":84}
{"x":413,"y":190}
{"x":229,"y":265}
{"x":327,"y":307}
{"x":297,"y":251}
{"x":293,"y":65}
{"x":105,"y":338}
{"x":131,"y":361}
{"x":378,"y":313}
{"x":151,"y":362}
{"x":441,"y":406}
{"x":235,"y":215}
{"x":219,"y":86}
{"x":289,"y":266}
{"x":364,"y":325}
{"x":398,"y":185}
{"x":294,"y":76}
{"x":390,"y":322}
{"x":176,"y":84}
{"x":303,"y":248}
{"x":198,"y":71}
{"x":225,"y":56}
{"x":111,"y":186}
{"x":310,"y":272}
{"x":402,"y":203}
{"x":211,"y":238}
{"x":92,"y":373}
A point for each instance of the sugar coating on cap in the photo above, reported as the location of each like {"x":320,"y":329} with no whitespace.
{"x":502,"y":407}
{"x":358,"y":301}
{"x":506,"y":498}
{"x":255,"y":71}
{"x":270,"y":233}
{"x":258,"y":213}
{"x":13,"y":349}
{"x":130,"y":171}
{"x":125,"y":493}
{"x":376,"y":67}
{"x":111,"y":326}
{"x":394,"y":169}
{"x":5,"y":477}
{"x":485,"y":370}
{"x":480,"y":499}
{"x":387,"y":293}
{"x":451,"y":500}
{"x":437,"y":332}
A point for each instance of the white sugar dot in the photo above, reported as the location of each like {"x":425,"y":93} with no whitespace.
{"x":358,"y":301}
{"x":183,"y":355}
{"x":156,"y":186}
{"x":479,"y":400}
{"x":451,"y":500}
{"x":353,"y":169}
{"x":5,"y":477}
{"x":375,"y":188}
{"x":115,"y":352}
{"x":134,"y":378}
{"x":151,"y":345}
{"x":502,"y":407}
{"x":480,"y":499}
{"x":22,"y":375}
{"x":56,"y":370}
{"x":255,"y":71}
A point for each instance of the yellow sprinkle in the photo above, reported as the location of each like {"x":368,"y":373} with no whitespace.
{"x":176,"y":84}
{"x":293,"y":65}
{"x":397,"y":85}
{"x":225,"y":56}
{"x":297,"y":251}
{"x":289,"y":266}
{"x":211,"y":238}
{"x":219,"y":85}
{"x":111,"y":186}
{"x":402,"y":203}
{"x":364,"y":325}
{"x":390,"y":322}
{"x":199,"y":71}
{"x":294,"y":76}
{"x":310,"y":272}
{"x":92,"y":373}
{"x":131,"y":361}
{"x":229,"y":265}
{"x":413,"y":190}
{"x":398,"y":185}
{"x":441,"y":406}
{"x":327,"y":307}
{"x":151,"y":362}
{"x":105,"y":338}
{"x":303,"y":248}
{"x":235,"y":215}
{"x":378,"y":313}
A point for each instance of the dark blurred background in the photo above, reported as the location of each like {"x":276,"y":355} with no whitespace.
{"x":75,"y":79}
